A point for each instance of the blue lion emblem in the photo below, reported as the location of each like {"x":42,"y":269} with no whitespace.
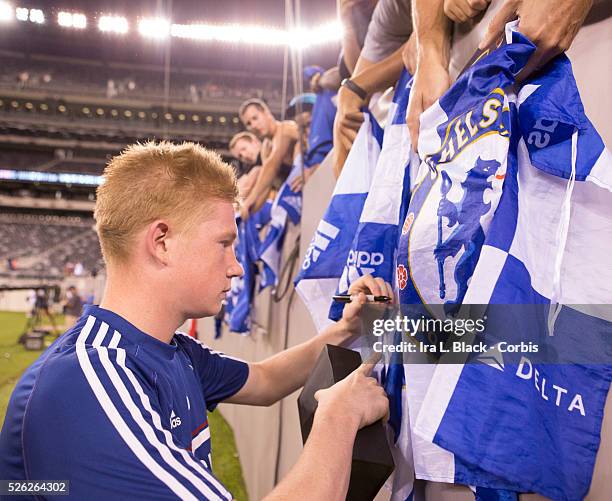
{"x":467,"y":233}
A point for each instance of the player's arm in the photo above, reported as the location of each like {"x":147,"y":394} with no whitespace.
{"x":431,"y":80}
{"x":281,"y":145}
{"x":324,"y":467}
{"x":282,"y":374}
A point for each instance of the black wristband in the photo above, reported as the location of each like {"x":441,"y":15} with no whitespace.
{"x":349,"y":84}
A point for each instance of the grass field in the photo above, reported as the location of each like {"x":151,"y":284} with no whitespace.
{"x":14,"y":360}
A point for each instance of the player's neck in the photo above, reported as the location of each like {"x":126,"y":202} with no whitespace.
{"x":142,"y":307}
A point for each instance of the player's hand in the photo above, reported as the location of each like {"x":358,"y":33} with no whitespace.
{"x":366,"y":284}
{"x":462,"y":10}
{"x":551,"y":25}
{"x":358,"y":398}
{"x":349,"y":118}
{"x":431,"y":80}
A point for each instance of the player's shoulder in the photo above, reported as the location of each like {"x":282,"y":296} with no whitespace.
{"x":190,"y":343}
{"x":83,"y":354}
{"x":201,"y":349}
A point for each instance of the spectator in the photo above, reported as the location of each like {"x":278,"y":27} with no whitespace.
{"x":22,"y":79}
{"x":72,"y":307}
{"x":111,"y":89}
{"x":431,"y":80}
{"x":194,"y":95}
{"x":246,"y":147}
{"x":355,"y":16}
{"x":78,"y":269}
{"x":320,"y":137}
{"x":282,"y":138}
{"x":388,"y":47}
{"x":300,"y":110}
{"x":551,"y":24}
{"x":68,"y":268}
{"x":41,"y":307}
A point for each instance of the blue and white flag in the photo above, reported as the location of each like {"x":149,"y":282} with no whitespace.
{"x":240,"y":296}
{"x":326,"y":255}
{"x":373,"y":251}
{"x":286,"y":206}
{"x":464,"y":143}
{"x":375,"y":242}
{"x":510,"y":422}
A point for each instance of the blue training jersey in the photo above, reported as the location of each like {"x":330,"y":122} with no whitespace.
{"x":118,"y":413}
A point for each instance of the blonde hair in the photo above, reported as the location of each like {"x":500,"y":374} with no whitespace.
{"x":249,"y":136}
{"x":157,"y":180}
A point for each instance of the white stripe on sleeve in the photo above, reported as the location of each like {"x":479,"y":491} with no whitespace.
{"x":200,"y":438}
{"x":115,"y":417}
{"x":144,"y":399}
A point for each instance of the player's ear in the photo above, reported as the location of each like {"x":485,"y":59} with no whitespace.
{"x":158,"y":241}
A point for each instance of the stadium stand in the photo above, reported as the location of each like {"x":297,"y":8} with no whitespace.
{"x":46,"y":244}
{"x":39,"y":73}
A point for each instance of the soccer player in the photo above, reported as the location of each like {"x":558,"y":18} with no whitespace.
{"x":117,"y":405}
{"x":282,"y":140}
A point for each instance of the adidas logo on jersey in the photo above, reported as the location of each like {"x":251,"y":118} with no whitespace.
{"x":174,"y":421}
{"x":325,"y":233}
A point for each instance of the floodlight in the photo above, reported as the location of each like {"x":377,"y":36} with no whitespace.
{"x":154,"y":28}
{"x":22,"y":13}
{"x":37,"y":16}
{"x":71,"y":20}
{"x":6,"y":12}
{"x":115,"y":24}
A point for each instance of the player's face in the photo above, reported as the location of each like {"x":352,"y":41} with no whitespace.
{"x":256,"y":121}
{"x":246,"y":151}
{"x":206,"y":262}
